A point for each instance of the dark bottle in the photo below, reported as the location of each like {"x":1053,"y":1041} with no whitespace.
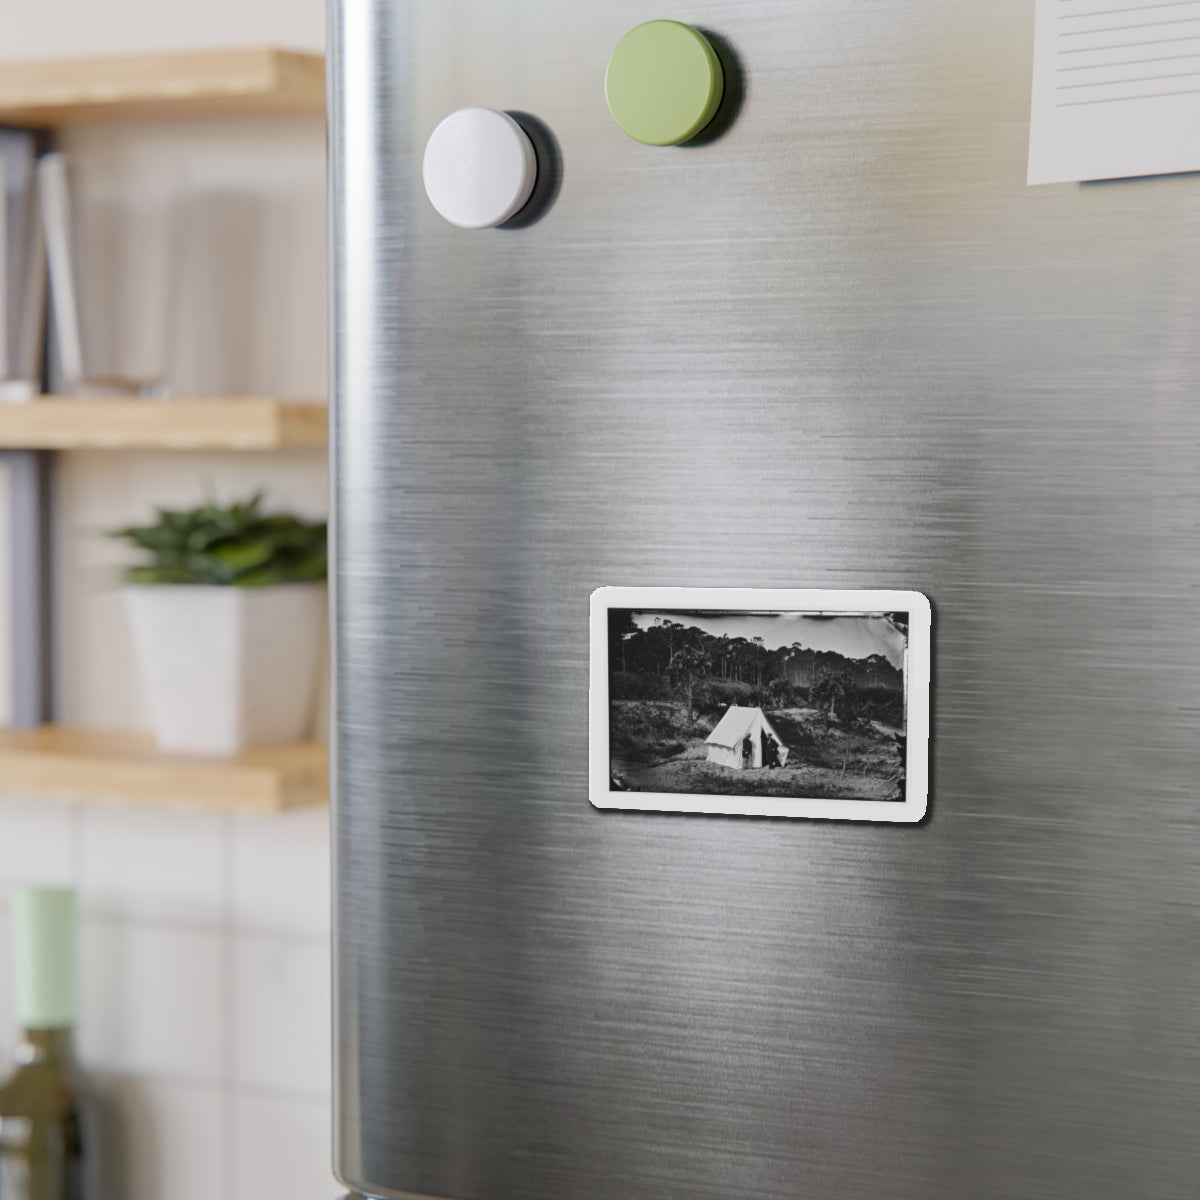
{"x":42,"y":1130}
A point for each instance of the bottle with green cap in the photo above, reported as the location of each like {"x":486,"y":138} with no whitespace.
{"x":43,"y":1142}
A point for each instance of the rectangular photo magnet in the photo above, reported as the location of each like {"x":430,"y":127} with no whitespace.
{"x":757,"y":702}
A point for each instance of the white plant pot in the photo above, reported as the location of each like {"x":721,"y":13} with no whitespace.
{"x":227,"y":668}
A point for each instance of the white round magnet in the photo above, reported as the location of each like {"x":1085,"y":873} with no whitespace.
{"x":479,"y":168}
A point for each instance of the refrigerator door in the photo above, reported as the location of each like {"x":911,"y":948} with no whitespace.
{"x":840,"y":345}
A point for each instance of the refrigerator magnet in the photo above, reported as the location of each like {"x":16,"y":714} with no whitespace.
{"x":756,"y":702}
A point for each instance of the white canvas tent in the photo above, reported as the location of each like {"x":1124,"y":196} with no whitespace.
{"x":725,"y":742}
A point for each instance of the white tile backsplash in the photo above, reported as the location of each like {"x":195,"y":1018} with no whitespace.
{"x":281,"y":1021}
{"x":205,"y":980}
{"x":281,"y":872}
{"x":154,"y":864}
{"x":282,"y":1150}
{"x":38,"y":841}
{"x":155,"y":1000}
{"x":8,"y":1017}
{"x":171,"y":1142}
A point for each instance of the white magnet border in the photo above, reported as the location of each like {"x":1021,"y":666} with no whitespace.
{"x":916,"y":682}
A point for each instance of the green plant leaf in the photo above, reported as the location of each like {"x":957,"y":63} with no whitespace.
{"x":161,"y":574}
{"x":242,"y":554}
{"x":262,"y":577}
{"x":233,"y":545}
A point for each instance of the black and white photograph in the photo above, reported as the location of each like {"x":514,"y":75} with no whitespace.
{"x":768,"y":706}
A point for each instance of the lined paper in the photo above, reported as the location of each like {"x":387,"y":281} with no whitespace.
{"x":1116,"y":89}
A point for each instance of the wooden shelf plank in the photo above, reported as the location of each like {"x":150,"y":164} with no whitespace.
{"x":213,"y":83}
{"x":78,"y":764}
{"x":228,"y":423}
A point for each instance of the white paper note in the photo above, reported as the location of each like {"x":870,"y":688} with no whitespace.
{"x":1116,"y":89}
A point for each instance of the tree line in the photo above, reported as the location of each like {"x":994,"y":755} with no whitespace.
{"x":691,"y":663}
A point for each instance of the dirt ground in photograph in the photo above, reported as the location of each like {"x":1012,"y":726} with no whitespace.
{"x":655,"y":750}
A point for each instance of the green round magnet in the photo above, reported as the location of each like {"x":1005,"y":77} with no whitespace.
{"x":664,"y":83}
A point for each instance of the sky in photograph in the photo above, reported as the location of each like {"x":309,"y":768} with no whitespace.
{"x":853,"y":637}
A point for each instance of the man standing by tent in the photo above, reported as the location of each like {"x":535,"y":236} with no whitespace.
{"x":747,"y":750}
{"x":770,"y":751}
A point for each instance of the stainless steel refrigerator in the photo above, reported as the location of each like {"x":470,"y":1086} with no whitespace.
{"x":834,"y":341}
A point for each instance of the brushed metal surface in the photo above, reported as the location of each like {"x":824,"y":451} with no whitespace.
{"x":841,"y":346}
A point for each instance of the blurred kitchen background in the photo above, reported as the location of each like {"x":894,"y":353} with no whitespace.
{"x":205,"y":943}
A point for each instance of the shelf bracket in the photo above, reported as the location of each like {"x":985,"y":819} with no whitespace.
{"x":29,"y":475}
{"x":30,"y":545}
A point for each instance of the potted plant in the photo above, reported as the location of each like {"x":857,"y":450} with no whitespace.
{"x":228,"y":622}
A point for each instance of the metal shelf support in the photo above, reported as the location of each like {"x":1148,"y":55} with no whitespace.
{"x":30,"y":475}
{"x":30,"y":535}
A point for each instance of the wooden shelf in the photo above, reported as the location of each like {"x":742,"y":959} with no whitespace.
{"x":216,"y":83}
{"x":77,"y":764}
{"x":229,"y":423}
